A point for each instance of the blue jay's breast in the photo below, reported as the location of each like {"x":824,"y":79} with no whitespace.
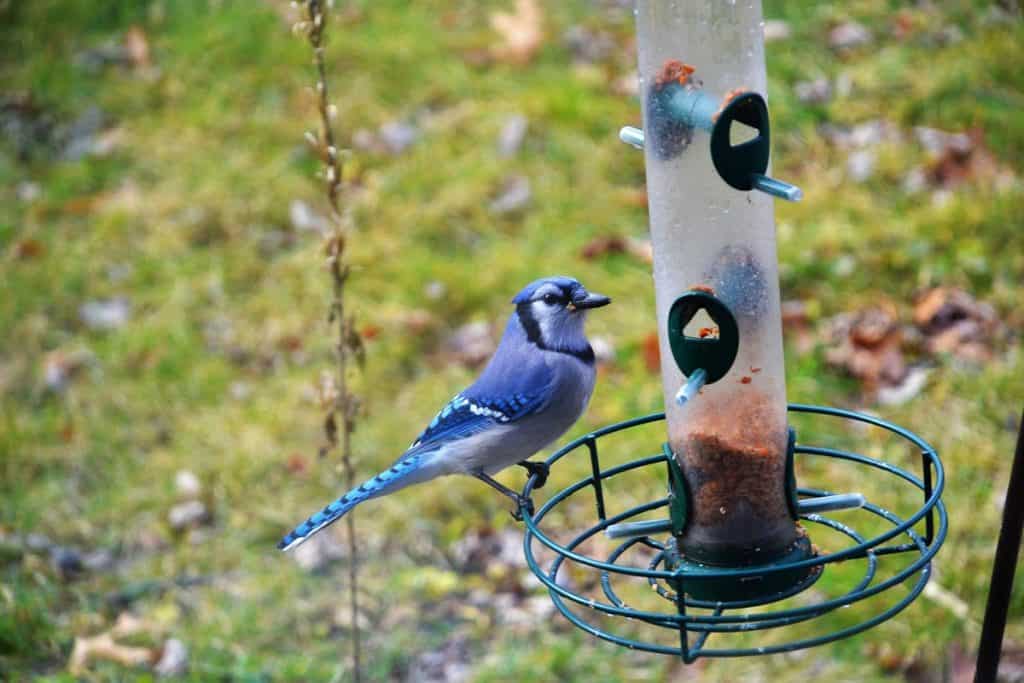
{"x":572,"y":386}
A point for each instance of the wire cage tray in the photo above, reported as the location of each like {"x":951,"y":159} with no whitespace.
{"x":684,"y":626}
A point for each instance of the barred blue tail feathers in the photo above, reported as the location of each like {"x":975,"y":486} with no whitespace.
{"x":403,"y":473}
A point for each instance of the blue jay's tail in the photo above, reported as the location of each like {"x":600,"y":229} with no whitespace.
{"x":403,"y":473}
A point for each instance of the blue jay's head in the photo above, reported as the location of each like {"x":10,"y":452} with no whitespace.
{"x":552,"y":312}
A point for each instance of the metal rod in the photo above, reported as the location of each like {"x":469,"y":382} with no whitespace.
{"x":632,"y":136}
{"x":692,"y":387}
{"x":777,"y":188}
{"x":1003,"y":568}
{"x":839,"y":501}
{"x":627,"y":529}
{"x":929,"y":522}
{"x":595,"y":468}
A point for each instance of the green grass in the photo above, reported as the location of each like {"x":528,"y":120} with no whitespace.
{"x":182,"y":217}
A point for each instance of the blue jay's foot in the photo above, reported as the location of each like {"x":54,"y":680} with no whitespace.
{"x":521,"y":502}
{"x":536,"y":469}
{"x":521,"y":505}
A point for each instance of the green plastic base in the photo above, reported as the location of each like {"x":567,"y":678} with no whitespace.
{"x":756,"y":589}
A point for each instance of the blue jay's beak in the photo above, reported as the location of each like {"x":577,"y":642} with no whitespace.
{"x":591,"y":300}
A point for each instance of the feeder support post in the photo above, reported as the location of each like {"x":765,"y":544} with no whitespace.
{"x":1003,"y":568}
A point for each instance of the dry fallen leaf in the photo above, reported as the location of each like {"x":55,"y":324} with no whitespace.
{"x":868,"y":346}
{"x":136,"y":47}
{"x":955,"y":322}
{"x":522,"y":32}
{"x":29,"y":249}
{"x":616,"y":244}
{"x":960,"y":158}
{"x":651,"y":352}
{"x":103,"y":647}
{"x":470,"y":345}
{"x":957,"y":166}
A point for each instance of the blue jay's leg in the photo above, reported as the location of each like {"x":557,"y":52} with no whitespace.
{"x":521,"y":503}
{"x":536,"y":469}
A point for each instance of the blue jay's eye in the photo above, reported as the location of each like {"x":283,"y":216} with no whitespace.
{"x":551,"y":299}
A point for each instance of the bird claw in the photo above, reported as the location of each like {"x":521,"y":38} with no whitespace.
{"x":536,"y":469}
{"x":521,"y":505}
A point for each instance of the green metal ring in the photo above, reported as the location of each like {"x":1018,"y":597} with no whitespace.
{"x":702,"y":626}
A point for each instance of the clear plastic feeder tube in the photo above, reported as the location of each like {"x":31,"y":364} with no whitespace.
{"x":731,"y":439}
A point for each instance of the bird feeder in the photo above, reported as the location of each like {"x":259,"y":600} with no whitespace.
{"x":734,"y":531}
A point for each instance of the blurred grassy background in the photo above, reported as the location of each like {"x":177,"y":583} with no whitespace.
{"x":163,"y":312}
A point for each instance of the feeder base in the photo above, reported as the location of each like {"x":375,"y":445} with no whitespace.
{"x":774,"y":584}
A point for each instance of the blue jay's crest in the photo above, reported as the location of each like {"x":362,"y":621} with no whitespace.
{"x":568,"y":286}
{"x":533,"y":389}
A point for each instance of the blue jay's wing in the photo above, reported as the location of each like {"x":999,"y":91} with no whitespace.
{"x":511,"y":387}
{"x":464,"y":416}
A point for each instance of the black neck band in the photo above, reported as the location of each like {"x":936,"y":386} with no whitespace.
{"x":533,"y":334}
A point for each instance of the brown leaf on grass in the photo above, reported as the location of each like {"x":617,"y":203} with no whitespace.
{"x":297,"y":464}
{"x":290,"y":342}
{"x":104,"y":648}
{"x":954,"y":322}
{"x":471,"y":344}
{"x":958,"y":158}
{"x":617,"y":244}
{"x":61,"y":367}
{"x":482,"y":548}
{"x":626,"y":85}
{"x":136,"y":47}
{"x":868,"y":346}
{"x":651,"y":352}
{"x":521,"y":32}
{"x":67,"y":432}
{"x":904,"y":26}
{"x":29,"y":249}
{"x":168,"y":659}
{"x":635,"y":197}
{"x":796,"y":325}
{"x":603,"y":245}
{"x":418,"y":321}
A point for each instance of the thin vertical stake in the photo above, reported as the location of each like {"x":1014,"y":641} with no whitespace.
{"x":1003,"y":568}
{"x":595,"y":467}
{"x":929,"y":520}
{"x":684,"y":633}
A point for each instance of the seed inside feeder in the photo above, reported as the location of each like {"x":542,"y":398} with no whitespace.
{"x":735,"y":471}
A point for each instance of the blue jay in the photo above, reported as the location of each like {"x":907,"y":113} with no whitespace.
{"x":533,"y":389}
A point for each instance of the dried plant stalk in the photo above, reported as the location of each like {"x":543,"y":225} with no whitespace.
{"x":339,"y":422}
